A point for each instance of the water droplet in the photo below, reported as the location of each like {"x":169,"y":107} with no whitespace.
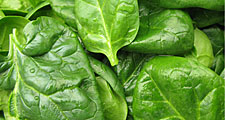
{"x":32,"y":70}
{"x":36,"y":98}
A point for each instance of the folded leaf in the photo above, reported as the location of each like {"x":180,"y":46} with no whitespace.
{"x":111,"y":91}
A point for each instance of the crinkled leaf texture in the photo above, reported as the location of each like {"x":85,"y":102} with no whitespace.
{"x":162,"y":31}
{"x":105,"y":26}
{"x":111,"y":91}
{"x":54,"y":77}
{"x":176,"y":88}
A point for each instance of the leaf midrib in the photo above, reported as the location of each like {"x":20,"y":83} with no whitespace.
{"x":164,"y":97}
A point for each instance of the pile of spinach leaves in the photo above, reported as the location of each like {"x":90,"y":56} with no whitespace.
{"x":112,"y":60}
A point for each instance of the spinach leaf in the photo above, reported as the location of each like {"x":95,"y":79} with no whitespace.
{"x":127,"y":70}
{"x":111,"y":91}
{"x":204,"y":18}
{"x":216,"y":36}
{"x":4,"y":104}
{"x":54,"y":77}
{"x":65,"y":10}
{"x":15,"y":5}
{"x":202,"y":51}
{"x":176,"y":88}
{"x":7,"y":24}
{"x":218,"y":64}
{"x":207,"y":4}
{"x":158,"y":34}
{"x":32,"y":12}
{"x":106,"y":26}
{"x":7,"y":71}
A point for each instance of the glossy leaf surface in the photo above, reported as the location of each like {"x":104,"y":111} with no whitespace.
{"x":111,"y":91}
{"x":158,"y":34}
{"x":202,"y":51}
{"x":55,"y":80}
{"x":176,"y":88}
{"x":65,"y":10}
{"x":105,"y":26}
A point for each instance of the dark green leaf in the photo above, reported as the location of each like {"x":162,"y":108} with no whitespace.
{"x":204,"y":18}
{"x":176,"y":88}
{"x":106,"y":26}
{"x":207,"y":4}
{"x":216,"y":36}
{"x":158,"y":34}
{"x":218,"y":64}
{"x":127,"y":70}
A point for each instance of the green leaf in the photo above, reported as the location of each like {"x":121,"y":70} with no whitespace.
{"x":106,"y":26}
{"x":15,"y":5}
{"x":127,"y":70}
{"x":176,"y":88}
{"x":56,"y":83}
{"x":218,"y":64}
{"x":38,"y":7}
{"x":204,"y":18}
{"x":216,"y":36}
{"x":4,"y":104}
{"x":7,"y":24}
{"x":207,"y":4}
{"x":7,"y":71}
{"x":65,"y":10}
{"x":111,"y":91}
{"x":202,"y":51}
{"x":162,"y":31}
